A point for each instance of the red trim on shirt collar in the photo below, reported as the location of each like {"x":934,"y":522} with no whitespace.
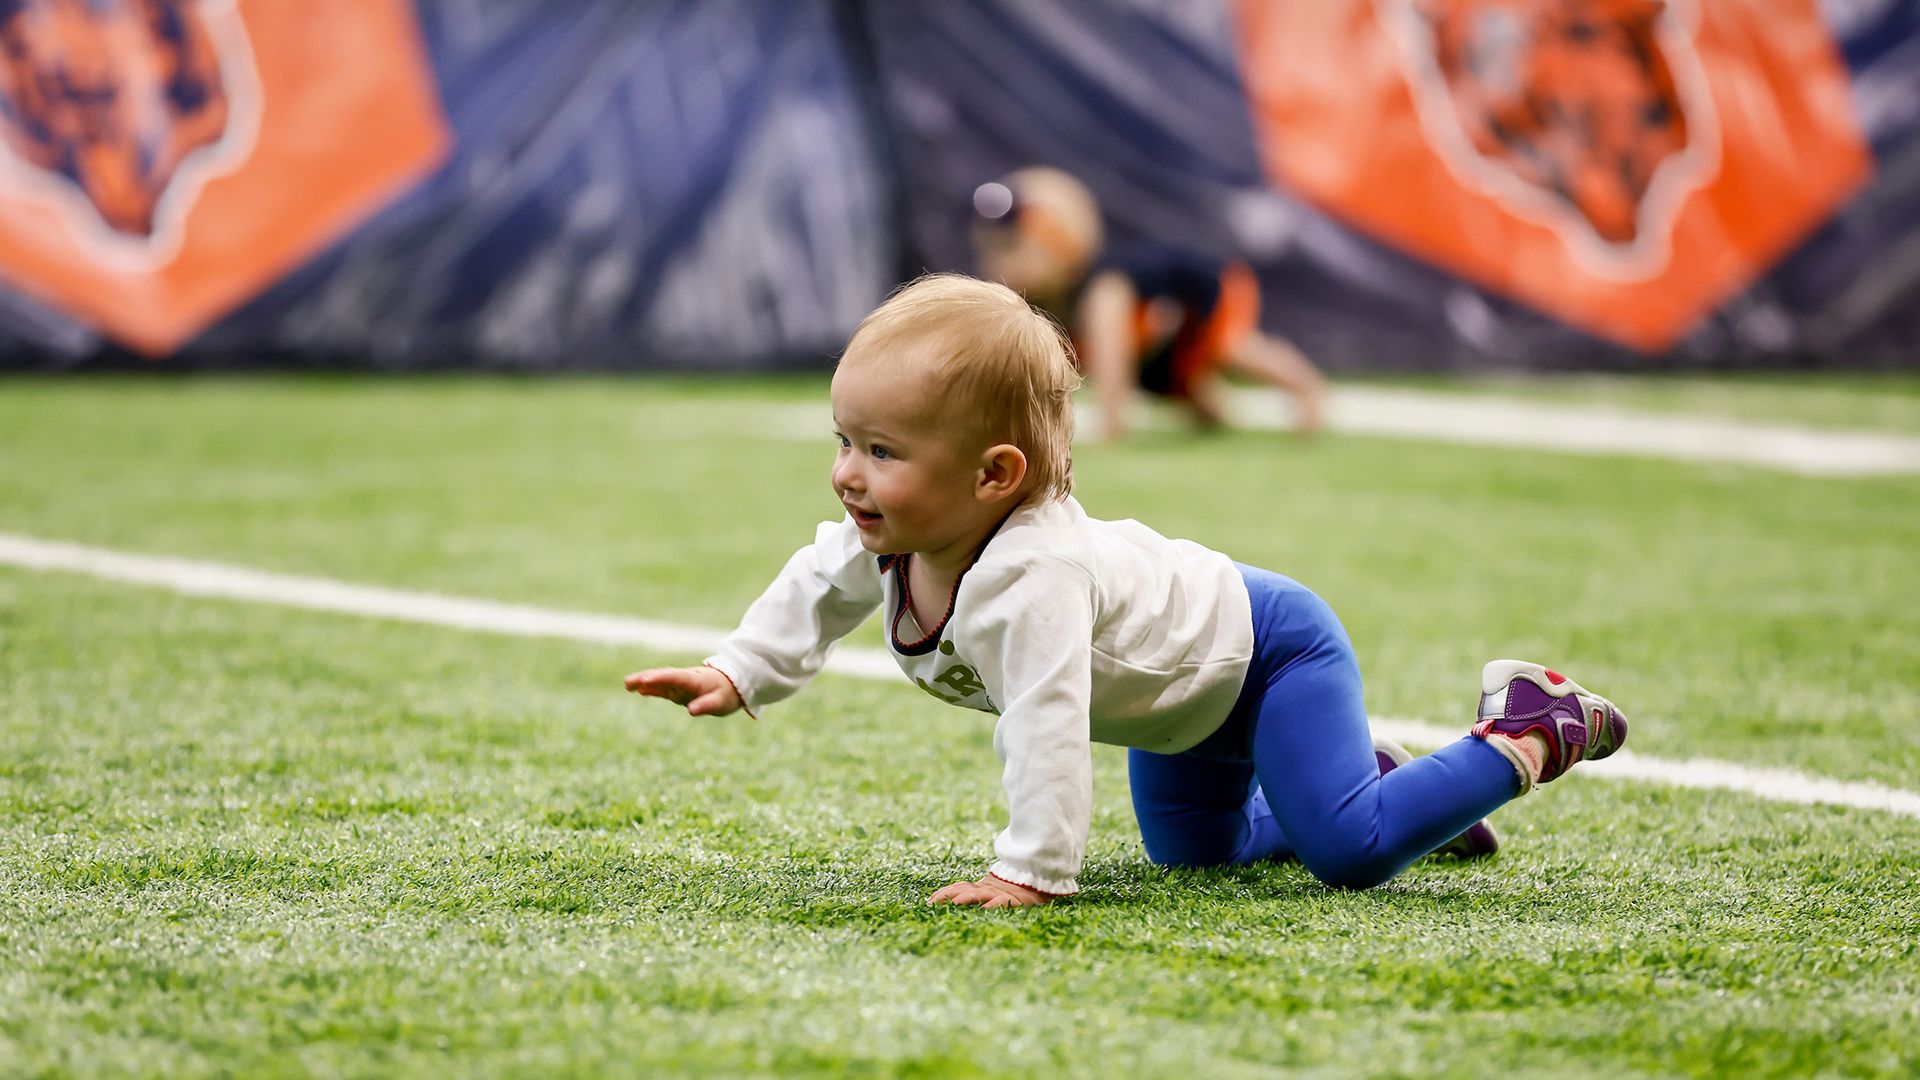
{"x":898,"y":565}
{"x":906,"y":603}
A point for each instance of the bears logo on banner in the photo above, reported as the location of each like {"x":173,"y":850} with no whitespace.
{"x":161,"y":161}
{"x":1591,"y":117}
{"x":124,"y":108}
{"x":1624,"y":165}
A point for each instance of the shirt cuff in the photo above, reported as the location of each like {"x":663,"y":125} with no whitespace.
{"x":1055,"y":887}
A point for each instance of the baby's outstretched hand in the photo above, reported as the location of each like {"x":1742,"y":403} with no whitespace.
{"x":703,"y":690}
{"x":990,"y":892}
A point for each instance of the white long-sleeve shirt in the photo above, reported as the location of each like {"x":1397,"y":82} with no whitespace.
{"x":1071,"y":629}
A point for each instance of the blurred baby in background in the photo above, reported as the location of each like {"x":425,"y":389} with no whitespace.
{"x":1165,"y":323}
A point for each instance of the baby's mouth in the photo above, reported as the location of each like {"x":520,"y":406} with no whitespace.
{"x":862,"y":518}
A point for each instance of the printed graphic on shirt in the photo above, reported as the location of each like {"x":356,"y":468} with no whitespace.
{"x":957,"y":683}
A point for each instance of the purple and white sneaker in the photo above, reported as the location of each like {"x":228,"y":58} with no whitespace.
{"x":1518,"y":698}
{"x":1477,"y":842}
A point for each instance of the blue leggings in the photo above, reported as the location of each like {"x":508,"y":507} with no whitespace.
{"x":1292,"y":770}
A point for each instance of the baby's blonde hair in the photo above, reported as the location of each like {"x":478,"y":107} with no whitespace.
{"x":1003,"y":366}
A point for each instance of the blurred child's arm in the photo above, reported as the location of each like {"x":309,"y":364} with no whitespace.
{"x":1031,"y":634}
{"x":1103,"y":325}
{"x":826,"y":589}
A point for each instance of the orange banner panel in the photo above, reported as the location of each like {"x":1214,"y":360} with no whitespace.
{"x":1623,"y":165}
{"x":165,"y":160}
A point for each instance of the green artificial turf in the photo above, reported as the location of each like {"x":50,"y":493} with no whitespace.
{"x":237,"y":839}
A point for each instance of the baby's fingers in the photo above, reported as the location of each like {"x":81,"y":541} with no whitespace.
{"x":675,"y":684}
{"x":708,"y":703}
{"x":951,"y":894}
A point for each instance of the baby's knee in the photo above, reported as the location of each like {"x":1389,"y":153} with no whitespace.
{"x":1349,"y":870}
{"x":1187,"y":854}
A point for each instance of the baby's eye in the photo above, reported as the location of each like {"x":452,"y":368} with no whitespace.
{"x":842,"y":439}
{"x":882,"y":453}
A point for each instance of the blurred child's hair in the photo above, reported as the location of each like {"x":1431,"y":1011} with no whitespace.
{"x":1060,"y":212}
{"x":1002,"y":367}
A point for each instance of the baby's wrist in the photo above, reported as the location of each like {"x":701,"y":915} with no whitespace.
{"x":1028,"y":888}
{"x":738,"y":698}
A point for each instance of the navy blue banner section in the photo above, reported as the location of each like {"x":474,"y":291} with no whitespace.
{"x":531,"y":185}
{"x":633,"y":185}
{"x":679,"y":183}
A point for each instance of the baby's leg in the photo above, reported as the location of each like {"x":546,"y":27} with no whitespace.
{"x":1351,"y":826}
{"x":1195,"y":811}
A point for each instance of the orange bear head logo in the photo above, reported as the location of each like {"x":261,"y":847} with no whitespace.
{"x":1577,"y":112}
{"x":112,"y":99}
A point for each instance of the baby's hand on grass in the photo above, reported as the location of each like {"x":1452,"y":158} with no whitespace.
{"x":703,"y":690}
{"x":990,"y":892}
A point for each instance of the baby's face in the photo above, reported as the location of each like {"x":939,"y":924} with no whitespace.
{"x":900,"y":470}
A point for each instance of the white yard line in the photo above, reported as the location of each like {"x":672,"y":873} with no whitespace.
{"x":1487,"y":420}
{"x":1593,"y":429}
{"x":522,"y":620}
{"x":1775,"y":785}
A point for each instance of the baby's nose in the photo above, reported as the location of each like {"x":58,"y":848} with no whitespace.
{"x":844,"y":476}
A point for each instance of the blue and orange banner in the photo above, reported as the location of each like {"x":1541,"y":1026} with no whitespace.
{"x":1623,"y":165}
{"x":171,"y":158}
{"x":1415,"y":184}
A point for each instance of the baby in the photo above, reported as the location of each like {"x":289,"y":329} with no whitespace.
{"x":1235,"y":688}
{"x":1155,"y":319}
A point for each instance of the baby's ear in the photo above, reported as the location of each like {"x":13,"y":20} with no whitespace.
{"x":1003,"y":469}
